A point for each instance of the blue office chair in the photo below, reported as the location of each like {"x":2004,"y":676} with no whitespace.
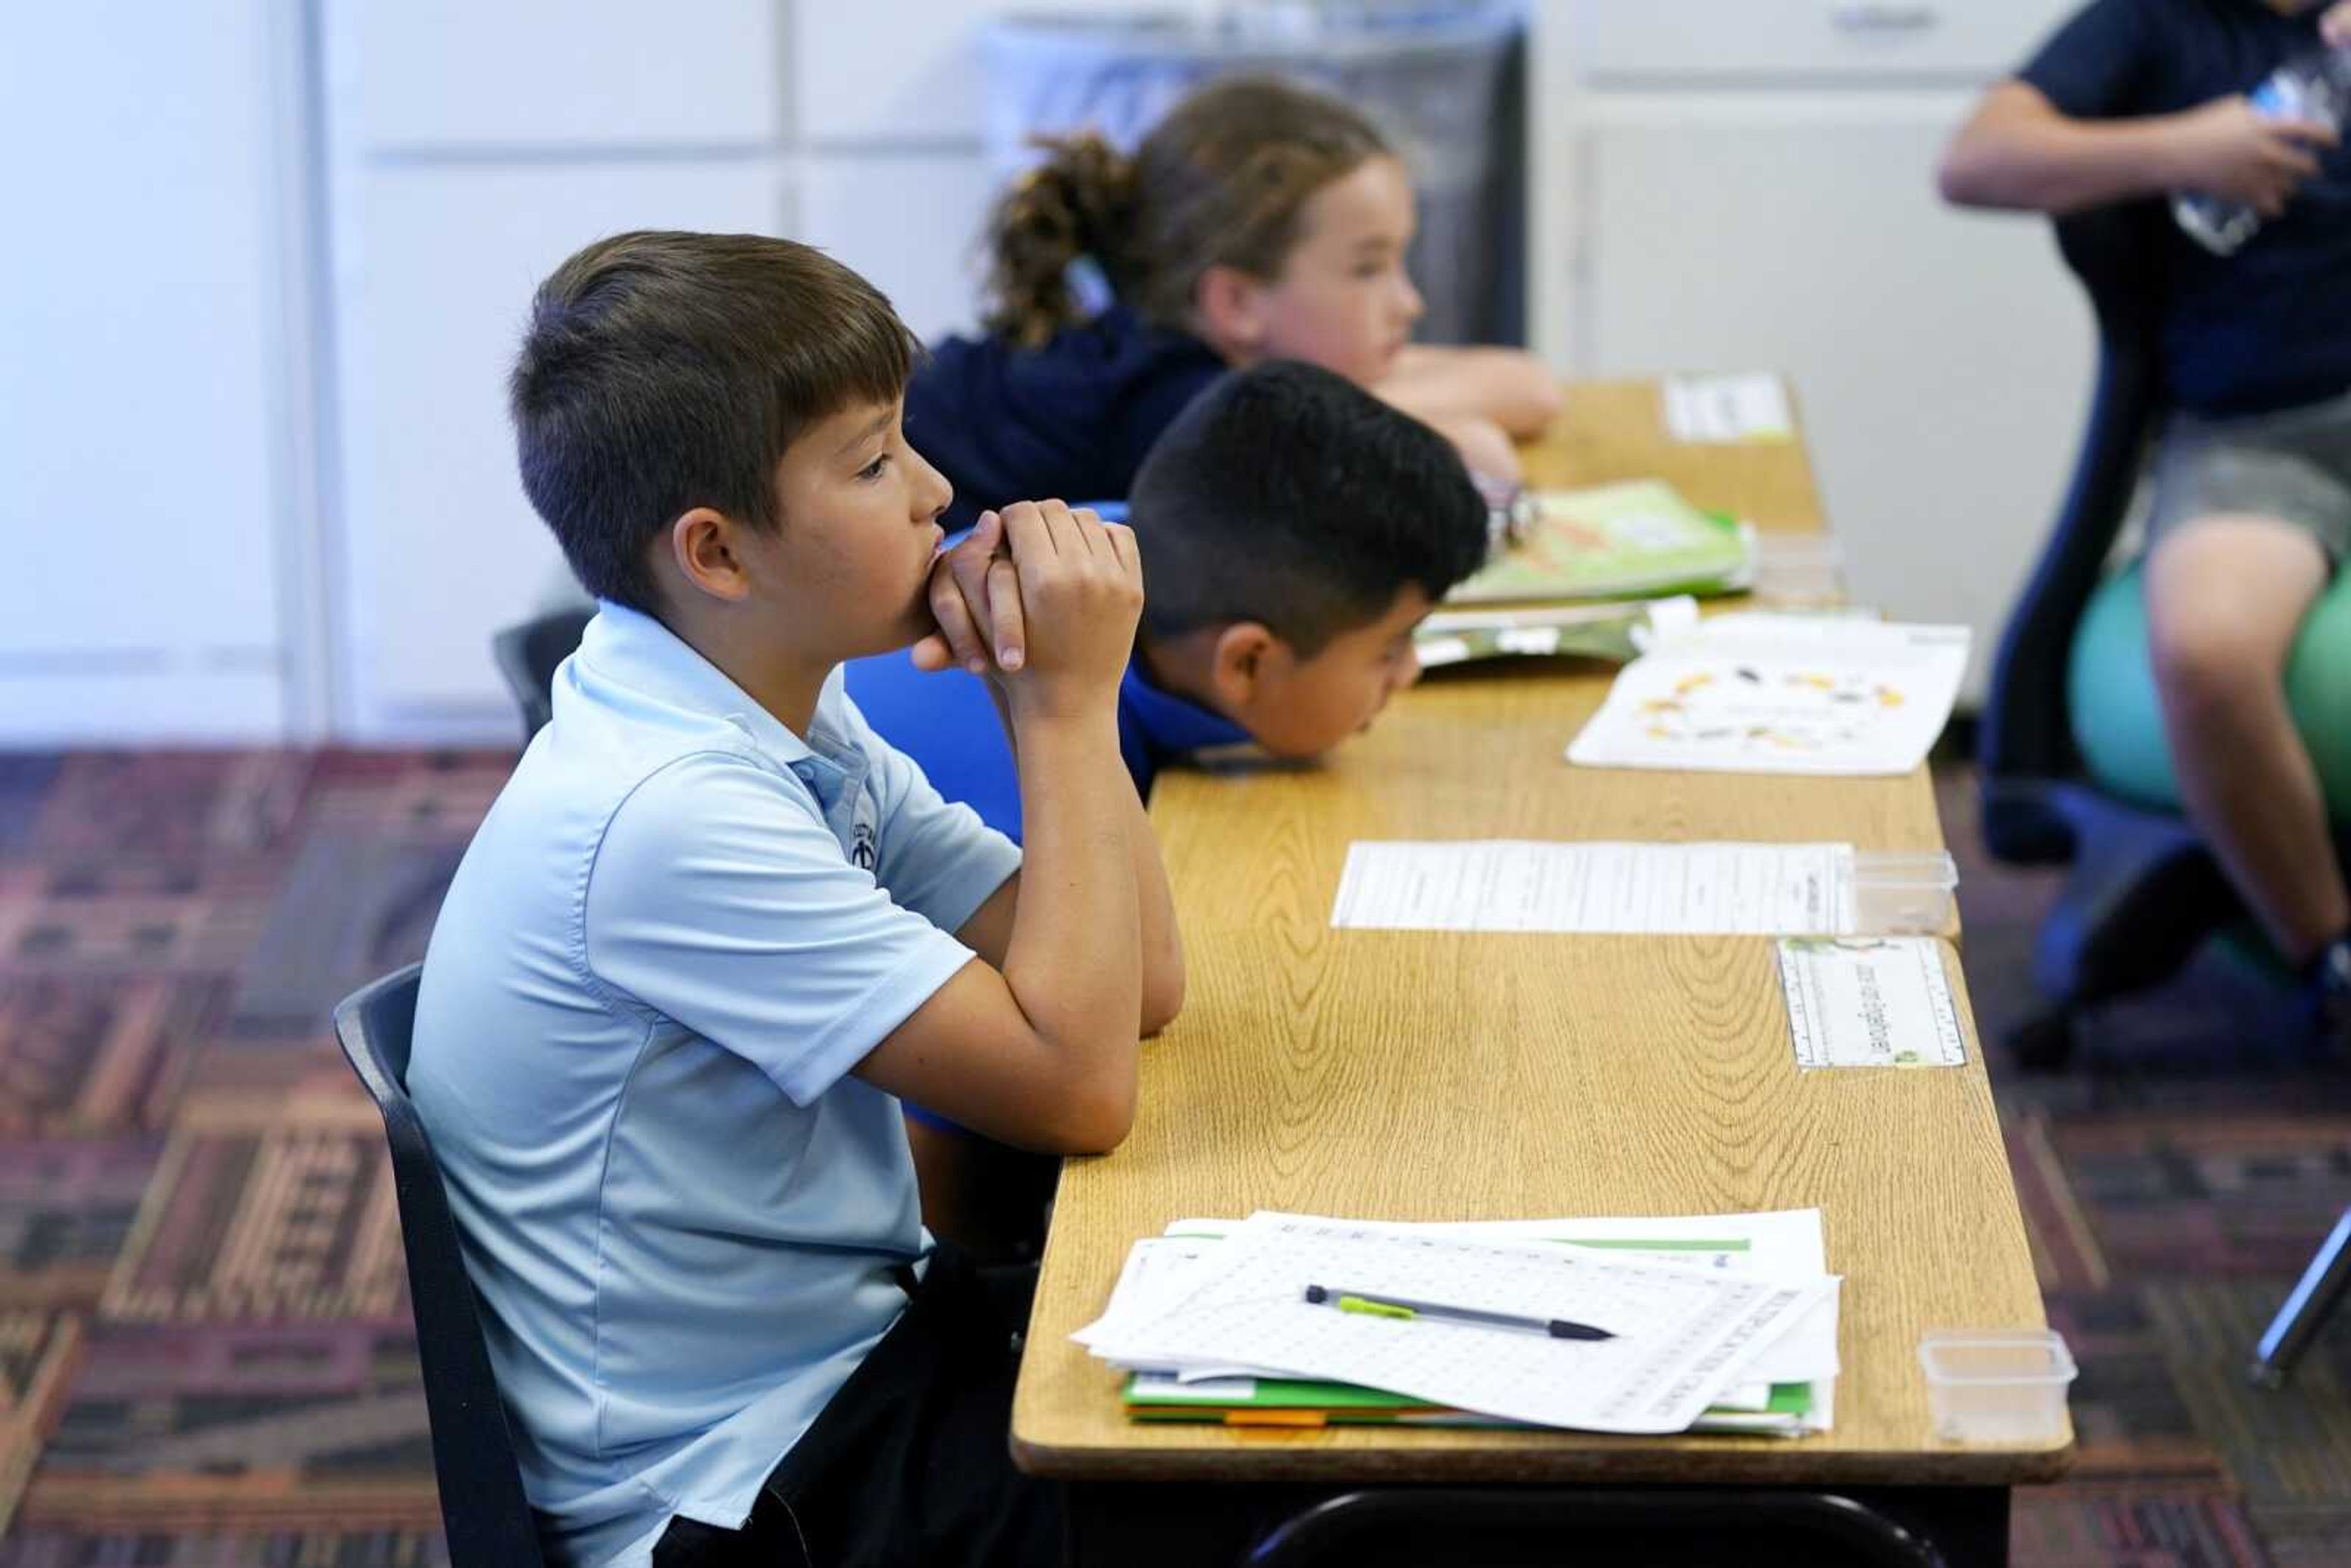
{"x":2144,"y":891}
{"x":528,"y":654}
{"x":487,"y":1520}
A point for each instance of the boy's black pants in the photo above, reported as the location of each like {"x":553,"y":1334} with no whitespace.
{"x":911,"y":1463}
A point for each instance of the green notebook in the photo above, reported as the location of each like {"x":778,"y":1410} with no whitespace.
{"x":1617,"y":541}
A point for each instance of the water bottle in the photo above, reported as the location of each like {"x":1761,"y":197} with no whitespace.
{"x":2315,"y":86}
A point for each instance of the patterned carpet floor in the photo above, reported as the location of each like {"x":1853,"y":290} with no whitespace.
{"x":205,"y":1358}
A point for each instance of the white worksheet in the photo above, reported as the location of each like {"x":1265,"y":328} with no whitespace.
{"x":1870,"y":1001}
{"x":1780,"y":694}
{"x":1784,"y":1243}
{"x":1737,"y":408}
{"x":1158,"y":1269}
{"x":1683,"y":1335}
{"x":1521,"y":885}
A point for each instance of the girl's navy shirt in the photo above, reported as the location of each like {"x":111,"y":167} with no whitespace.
{"x":1071,"y":420}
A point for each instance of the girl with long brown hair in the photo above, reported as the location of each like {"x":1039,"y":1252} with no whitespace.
{"x":1257,"y":221}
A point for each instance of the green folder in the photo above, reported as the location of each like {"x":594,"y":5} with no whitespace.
{"x":1345,"y":1402}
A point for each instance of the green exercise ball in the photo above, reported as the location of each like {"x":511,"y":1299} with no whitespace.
{"x":2118,"y":724}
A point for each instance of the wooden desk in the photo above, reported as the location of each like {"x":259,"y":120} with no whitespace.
{"x":1414,"y":1075}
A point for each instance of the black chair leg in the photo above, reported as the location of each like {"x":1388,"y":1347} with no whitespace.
{"x":2044,"y":1042}
{"x":2306,"y":1311}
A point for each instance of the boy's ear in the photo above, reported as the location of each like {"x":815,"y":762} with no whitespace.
{"x":1240,"y":662}
{"x":702,"y":546}
{"x":1230,"y":304}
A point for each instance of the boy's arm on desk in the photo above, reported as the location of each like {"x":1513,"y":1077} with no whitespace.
{"x":988,"y":932}
{"x":969,"y":578}
{"x":1036,"y":1045}
{"x":1039,"y":1052}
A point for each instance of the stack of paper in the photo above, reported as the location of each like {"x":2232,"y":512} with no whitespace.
{"x":1613,"y":631}
{"x":1724,"y":1323}
{"x":1617,"y":541}
{"x":1780,"y":694}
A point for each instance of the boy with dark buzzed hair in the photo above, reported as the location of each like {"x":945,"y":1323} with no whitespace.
{"x":1300,"y":531}
{"x":715,"y":926}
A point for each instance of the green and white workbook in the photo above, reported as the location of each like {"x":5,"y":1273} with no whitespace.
{"x":1617,"y":541}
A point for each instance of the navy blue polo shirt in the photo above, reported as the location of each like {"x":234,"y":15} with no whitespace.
{"x":1071,"y":419}
{"x":2267,"y":328}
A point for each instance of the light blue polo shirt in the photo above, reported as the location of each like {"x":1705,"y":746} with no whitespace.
{"x":679,"y":928}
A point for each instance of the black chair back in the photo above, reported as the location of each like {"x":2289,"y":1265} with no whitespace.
{"x":2026,"y":738}
{"x":488,"y":1522}
{"x":528,"y":655}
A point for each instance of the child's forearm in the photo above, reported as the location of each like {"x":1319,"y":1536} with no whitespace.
{"x":1162,"y":941}
{"x":1074,"y":961}
{"x":1509,"y":386}
{"x":2017,"y":152}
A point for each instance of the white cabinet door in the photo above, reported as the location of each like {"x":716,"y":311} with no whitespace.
{"x":426,"y":74}
{"x":1942,"y":361}
{"x":434,"y":288}
{"x":1813,"y":41}
{"x":143,"y":391}
{"x":903,"y":73}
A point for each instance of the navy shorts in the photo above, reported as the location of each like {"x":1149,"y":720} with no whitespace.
{"x":911,"y":1462}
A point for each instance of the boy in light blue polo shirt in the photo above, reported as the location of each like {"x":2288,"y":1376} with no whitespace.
{"x":714,"y":926}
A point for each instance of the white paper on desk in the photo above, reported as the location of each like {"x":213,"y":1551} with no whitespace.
{"x":1778,"y":1243}
{"x":1876,"y":1002}
{"x":1516,"y":884}
{"x":1781,"y":1243}
{"x":1684,"y":1334}
{"x":1780,"y":694}
{"x":1156,"y":1268}
{"x":1736,"y":408}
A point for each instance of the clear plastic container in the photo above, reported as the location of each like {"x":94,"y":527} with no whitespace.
{"x":1902,"y":894}
{"x":1997,"y":1386}
{"x":1798,"y":572}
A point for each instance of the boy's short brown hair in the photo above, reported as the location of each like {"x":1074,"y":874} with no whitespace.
{"x":665,"y":371}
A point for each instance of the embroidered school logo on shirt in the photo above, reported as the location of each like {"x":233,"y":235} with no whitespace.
{"x":864,"y":846}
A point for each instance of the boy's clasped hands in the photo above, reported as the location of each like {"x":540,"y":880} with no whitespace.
{"x":1043,"y":599}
